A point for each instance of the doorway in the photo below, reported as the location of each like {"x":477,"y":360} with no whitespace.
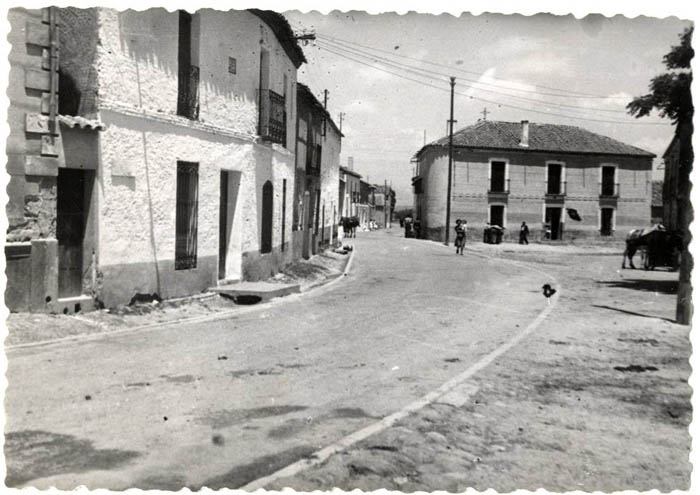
{"x":73,"y":193}
{"x":552,"y":218}
{"x":606,"y":221}
{"x":229,"y":231}
{"x":497,"y":215}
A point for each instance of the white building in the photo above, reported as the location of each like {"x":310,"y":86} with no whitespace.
{"x":190,"y":180}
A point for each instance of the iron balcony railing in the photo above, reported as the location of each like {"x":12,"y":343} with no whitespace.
{"x":313,"y":159}
{"x":499,"y":186}
{"x":188,"y":93}
{"x":610,"y":190}
{"x":273,"y":117}
{"x":555,"y":188}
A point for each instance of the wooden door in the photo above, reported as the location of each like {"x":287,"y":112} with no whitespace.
{"x":70,"y":230}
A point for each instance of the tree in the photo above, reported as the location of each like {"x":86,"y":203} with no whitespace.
{"x":670,"y":96}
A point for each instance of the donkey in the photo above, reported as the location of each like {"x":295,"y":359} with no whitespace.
{"x":638,"y":239}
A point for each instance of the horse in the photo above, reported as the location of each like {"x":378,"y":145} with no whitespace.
{"x":639,"y":239}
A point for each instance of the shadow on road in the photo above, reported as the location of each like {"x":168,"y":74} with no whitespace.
{"x":634,"y":313}
{"x":662,"y":286}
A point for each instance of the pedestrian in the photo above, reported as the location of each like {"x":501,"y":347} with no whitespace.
{"x":524,"y":232}
{"x":460,"y":236}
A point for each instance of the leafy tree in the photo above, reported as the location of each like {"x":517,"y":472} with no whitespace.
{"x":670,"y":95}
{"x":670,"y":92}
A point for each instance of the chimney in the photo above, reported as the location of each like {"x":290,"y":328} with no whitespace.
{"x":350,"y":163}
{"x":525,"y":134}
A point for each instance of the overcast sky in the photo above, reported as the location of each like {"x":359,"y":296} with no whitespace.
{"x":552,"y":68}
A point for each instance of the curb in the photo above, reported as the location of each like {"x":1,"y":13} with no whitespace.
{"x":323,"y":454}
{"x":195,"y":319}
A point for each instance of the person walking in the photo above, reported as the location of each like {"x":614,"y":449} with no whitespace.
{"x":460,"y":236}
{"x":524,"y":232}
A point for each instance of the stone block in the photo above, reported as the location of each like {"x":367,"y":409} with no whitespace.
{"x":45,"y":59}
{"x":41,"y":165}
{"x":38,"y":33}
{"x":18,"y":271}
{"x":37,"y":79}
{"x":46,"y":103}
{"x":50,"y":145}
{"x":15,"y":164}
{"x":37,"y":123}
{"x":44,"y":273}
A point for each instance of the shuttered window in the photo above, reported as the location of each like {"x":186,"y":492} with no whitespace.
{"x":186,"y":215}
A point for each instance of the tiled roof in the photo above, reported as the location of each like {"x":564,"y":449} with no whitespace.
{"x":542,"y":137}
{"x":82,"y":122}
{"x":657,"y":193}
{"x":284,"y":33}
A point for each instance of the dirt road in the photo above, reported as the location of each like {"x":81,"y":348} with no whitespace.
{"x":596,"y":399}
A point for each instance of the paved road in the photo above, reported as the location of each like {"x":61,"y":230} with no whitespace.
{"x":165,"y":410}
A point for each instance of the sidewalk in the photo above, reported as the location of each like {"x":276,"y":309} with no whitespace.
{"x":596,"y":398}
{"x":26,"y":328}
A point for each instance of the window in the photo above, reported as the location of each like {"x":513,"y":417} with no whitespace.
{"x":186,"y":215}
{"x":266,"y":230}
{"x":497,"y":177}
{"x":555,"y":178}
{"x":608,"y":187}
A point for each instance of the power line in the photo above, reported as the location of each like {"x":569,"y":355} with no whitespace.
{"x":570,"y":94}
{"x":431,"y":76}
{"x":347,"y":57}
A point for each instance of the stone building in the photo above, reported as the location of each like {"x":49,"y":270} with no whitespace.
{"x":316,"y":182}
{"x":547,"y":175}
{"x":171,"y":167}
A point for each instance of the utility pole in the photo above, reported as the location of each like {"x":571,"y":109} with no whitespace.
{"x":485,"y":112}
{"x":449,"y":163}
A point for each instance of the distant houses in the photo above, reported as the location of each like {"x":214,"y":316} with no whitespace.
{"x":547,"y":175}
{"x":157,"y":152}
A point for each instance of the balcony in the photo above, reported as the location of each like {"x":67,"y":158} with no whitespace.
{"x":417,"y":185}
{"x":555,"y":190}
{"x":499,"y":188}
{"x":273,"y":117}
{"x":610,"y":190}
{"x":313,"y":159}
{"x":188,"y":93}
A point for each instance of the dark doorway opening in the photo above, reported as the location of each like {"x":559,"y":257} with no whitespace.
{"x":606,"y":221}
{"x":223,"y":223}
{"x":497,"y":215}
{"x":553,"y":219}
{"x":266,"y":228}
{"x":73,"y":193}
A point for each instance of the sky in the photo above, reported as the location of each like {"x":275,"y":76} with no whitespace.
{"x":389,"y":75}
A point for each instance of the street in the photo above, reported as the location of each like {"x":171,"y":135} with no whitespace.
{"x":223,"y":403}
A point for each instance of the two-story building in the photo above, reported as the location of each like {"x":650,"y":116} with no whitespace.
{"x":564,"y":181}
{"x":168,"y":162}
{"x":316,"y":183}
